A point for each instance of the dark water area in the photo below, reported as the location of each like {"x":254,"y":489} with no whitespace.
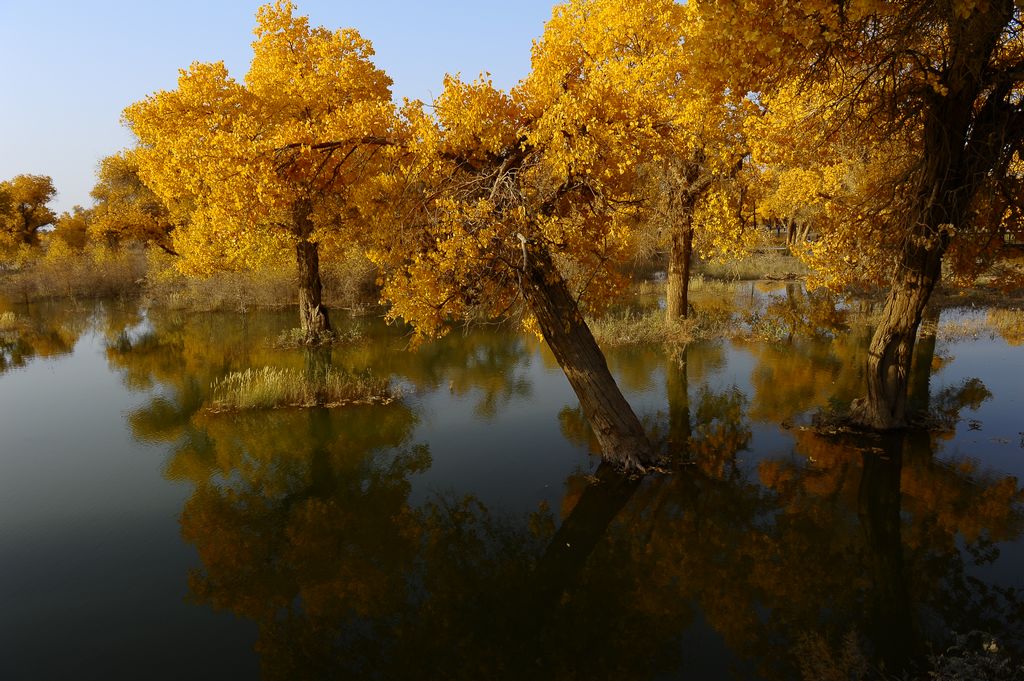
{"x":468,"y":530}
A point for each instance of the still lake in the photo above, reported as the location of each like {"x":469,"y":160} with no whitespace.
{"x":468,"y":531}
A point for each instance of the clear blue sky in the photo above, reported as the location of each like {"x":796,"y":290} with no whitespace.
{"x":68,"y":67}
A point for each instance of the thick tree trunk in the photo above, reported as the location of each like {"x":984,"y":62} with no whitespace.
{"x":313,"y":319}
{"x":680,"y":256}
{"x":616,"y":427}
{"x":892,"y":346}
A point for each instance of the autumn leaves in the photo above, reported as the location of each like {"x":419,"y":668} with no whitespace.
{"x":634,"y":121}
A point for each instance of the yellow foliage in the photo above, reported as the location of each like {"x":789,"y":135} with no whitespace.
{"x":260,"y":164}
{"x":553,"y":164}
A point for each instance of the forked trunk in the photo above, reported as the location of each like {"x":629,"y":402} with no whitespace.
{"x":680,"y":256}
{"x":892,"y":346}
{"x":313,"y":319}
{"x":616,"y":427}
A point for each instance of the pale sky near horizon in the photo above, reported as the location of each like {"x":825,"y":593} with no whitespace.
{"x":69,"y":67}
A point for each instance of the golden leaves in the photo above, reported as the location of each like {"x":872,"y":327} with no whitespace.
{"x":305,"y":127}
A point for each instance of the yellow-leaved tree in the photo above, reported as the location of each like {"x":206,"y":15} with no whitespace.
{"x":928,"y":95}
{"x":523,"y":201}
{"x":273,"y":162}
{"x":24,"y":210}
{"x":72,"y":227}
{"x":126,"y":209}
{"x":691,"y":187}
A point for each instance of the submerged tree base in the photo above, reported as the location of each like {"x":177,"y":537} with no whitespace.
{"x":271,"y":388}
{"x":940,"y":416}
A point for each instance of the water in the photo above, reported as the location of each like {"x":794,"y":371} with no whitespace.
{"x":469,"y":531}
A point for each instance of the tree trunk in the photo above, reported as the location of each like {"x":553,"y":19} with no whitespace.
{"x":680,"y":256}
{"x":892,"y":346}
{"x":791,"y":228}
{"x":919,"y":388}
{"x":313,"y":318}
{"x":678,"y":394}
{"x":618,"y":430}
{"x":804,"y":232}
{"x":888,"y":608}
{"x":580,"y":532}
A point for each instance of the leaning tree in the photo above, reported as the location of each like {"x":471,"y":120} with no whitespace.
{"x":523,"y":202}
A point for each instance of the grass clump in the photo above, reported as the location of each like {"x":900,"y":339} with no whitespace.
{"x":271,"y":388}
{"x":771,"y":264}
{"x":631,"y":327}
{"x":992,"y":323}
{"x":650,"y":327}
{"x":9,"y":322}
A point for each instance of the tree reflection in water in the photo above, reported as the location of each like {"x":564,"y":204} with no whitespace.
{"x":840,"y":554}
{"x":48,"y":329}
{"x":346,"y":578}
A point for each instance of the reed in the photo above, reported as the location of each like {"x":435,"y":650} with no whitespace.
{"x":272,"y":387}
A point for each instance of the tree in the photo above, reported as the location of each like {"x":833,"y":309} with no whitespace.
{"x":23,"y":209}
{"x":931,"y":92}
{"x":691,"y":183}
{"x":72,"y":227}
{"x":126,"y":209}
{"x":274,"y":162}
{"x":520,"y":201}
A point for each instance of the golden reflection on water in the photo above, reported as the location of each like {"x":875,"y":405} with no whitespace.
{"x":303,"y":520}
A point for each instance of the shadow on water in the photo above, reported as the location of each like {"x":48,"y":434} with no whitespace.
{"x":829,"y":557}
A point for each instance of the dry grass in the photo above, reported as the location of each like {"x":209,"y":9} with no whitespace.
{"x":765,"y":265}
{"x":270,"y":388}
{"x":990,"y":323}
{"x":62,"y":272}
{"x":9,"y":322}
{"x":650,"y":327}
{"x":348,"y":283}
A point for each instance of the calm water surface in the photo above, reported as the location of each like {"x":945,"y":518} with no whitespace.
{"x":468,"y":530}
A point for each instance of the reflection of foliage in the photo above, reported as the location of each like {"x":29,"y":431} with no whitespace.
{"x":333,"y":535}
{"x":303,"y":523}
{"x":792,"y":378}
{"x":42,"y":330}
{"x":318,"y":543}
{"x":799,"y":314}
{"x":721,"y":431}
{"x":950,"y":401}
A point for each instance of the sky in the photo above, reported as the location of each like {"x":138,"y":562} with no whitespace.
{"x":69,"y":67}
